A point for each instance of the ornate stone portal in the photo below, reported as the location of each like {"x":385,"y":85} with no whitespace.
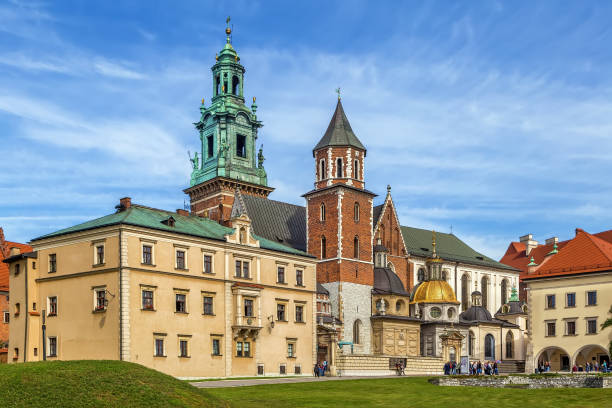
{"x":451,"y":345}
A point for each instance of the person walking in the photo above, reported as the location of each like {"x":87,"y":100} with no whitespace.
{"x":316,"y":370}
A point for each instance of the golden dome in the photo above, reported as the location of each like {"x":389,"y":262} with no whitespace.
{"x":435,"y":291}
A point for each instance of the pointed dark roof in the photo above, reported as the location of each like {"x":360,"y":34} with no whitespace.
{"x":339,"y":132}
{"x":387,"y":282}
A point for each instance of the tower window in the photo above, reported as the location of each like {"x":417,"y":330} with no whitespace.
{"x":356,"y":212}
{"x":323,"y":248}
{"x":356,"y":169}
{"x":240,"y":145}
{"x":322,"y":169}
{"x":339,"y":168}
{"x":356,"y":247}
{"x":322,"y":211}
{"x":209,"y":147}
{"x":235,"y":86}
{"x":217,"y":85}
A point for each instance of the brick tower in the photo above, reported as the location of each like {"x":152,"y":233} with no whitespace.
{"x":228,"y":135}
{"x":339,"y":228}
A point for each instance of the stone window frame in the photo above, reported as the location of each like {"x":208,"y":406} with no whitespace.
{"x":566,"y":322}
{"x":6,"y":316}
{"x":284,"y":303}
{"x":187,"y":339}
{"x":244,"y":348}
{"x":148,"y":288}
{"x":281,"y":271}
{"x":94,"y":246}
{"x":211,"y":254}
{"x":52,"y":263}
{"x":291,"y":347}
{"x":586,"y":298}
{"x":546,"y":304}
{"x":49,"y":349}
{"x":49,"y":314}
{"x":162,"y":337}
{"x":299,"y":272}
{"x":587,"y":320}
{"x":242,"y":261}
{"x":567,"y":305}
{"x":302,"y":304}
{"x":219,"y":338}
{"x":185,"y":292}
{"x":147,"y":243}
{"x":185,"y":252}
{"x":96,"y":307}
{"x":212,"y":295}
{"x":546,"y":331}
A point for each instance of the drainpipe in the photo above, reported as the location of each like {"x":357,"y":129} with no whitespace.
{"x":44,"y":336}
{"x":25,"y":340}
{"x":120,"y":302}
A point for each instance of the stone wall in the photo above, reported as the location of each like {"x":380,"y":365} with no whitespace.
{"x":523,"y":381}
{"x":368,"y":365}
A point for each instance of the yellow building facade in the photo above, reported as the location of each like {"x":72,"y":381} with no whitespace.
{"x":175,"y":292}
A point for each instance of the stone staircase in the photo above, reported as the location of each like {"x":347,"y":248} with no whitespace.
{"x":511,"y":366}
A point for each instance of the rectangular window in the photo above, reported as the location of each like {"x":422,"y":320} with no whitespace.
{"x":299,"y":277}
{"x":147,"y":300}
{"x":571,"y":299}
{"x":248,"y":307}
{"x":52,"y":263}
{"x":282,"y":369}
{"x":570,"y":328}
{"x":35,"y":351}
{"x":180,"y":259}
{"x":208,"y":305}
{"x":181,"y":300}
{"x":207,"y":264}
{"x":99,"y":254}
{"x":52,"y":306}
{"x":7,"y":317}
{"x":280,"y":274}
{"x":241,"y":146}
{"x":280,"y":312}
{"x":159,"y":348}
{"x":183,"y":348}
{"x":298,"y":369}
{"x":52,"y":346}
{"x":260,"y":369}
{"x":550,"y":301}
{"x":147,"y":254}
{"x":550,"y":329}
{"x":247,"y":349}
{"x":299,"y":314}
{"x":591,"y":298}
{"x":101,"y":299}
{"x":238,"y":349}
{"x":592,"y":326}
{"x":238,"y":269}
{"x":216,"y":349}
{"x":17,"y":309}
{"x":17,"y":269}
{"x":246,"y":274}
{"x":290,"y":349}
{"x":209,"y":146}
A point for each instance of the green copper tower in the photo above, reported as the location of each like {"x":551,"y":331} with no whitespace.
{"x":228,"y":128}
{"x":228,"y":158}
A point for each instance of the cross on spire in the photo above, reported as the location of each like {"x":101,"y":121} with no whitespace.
{"x":338,"y":92}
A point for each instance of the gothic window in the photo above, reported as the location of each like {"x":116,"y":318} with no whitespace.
{"x":323,"y":248}
{"x":322,"y":175}
{"x":240,"y":145}
{"x":471,"y":343}
{"x":322,"y":211}
{"x":356,"y":170}
{"x":356,"y":330}
{"x":382,"y":233}
{"x":484,"y":289}
{"x":509,"y":345}
{"x":421,"y":275}
{"x":504,"y":292}
{"x":356,"y":247}
{"x":235,"y":86}
{"x":356,"y":215}
{"x":339,"y":168}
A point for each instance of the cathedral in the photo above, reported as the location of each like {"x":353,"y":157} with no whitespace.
{"x":384,"y":289}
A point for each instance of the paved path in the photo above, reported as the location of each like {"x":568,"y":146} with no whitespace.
{"x":275,"y":380}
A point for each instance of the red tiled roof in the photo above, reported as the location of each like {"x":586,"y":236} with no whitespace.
{"x":4,"y":268}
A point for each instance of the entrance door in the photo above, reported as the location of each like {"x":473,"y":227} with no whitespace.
{"x":565,"y":363}
{"x":322,"y":354}
{"x":489,"y":347}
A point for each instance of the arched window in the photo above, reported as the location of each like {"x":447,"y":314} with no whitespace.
{"x":217,"y":85}
{"x":382,"y":234}
{"x":356,"y":330}
{"x":489,"y":347}
{"x":322,"y":174}
{"x":504,"y":291}
{"x":235,"y":86}
{"x":396,"y":242}
{"x":339,"y":168}
{"x":322,"y":211}
{"x":399,"y":306}
{"x":323,"y":248}
{"x":465,"y":295}
{"x":356,"y":169}
{"x":509,"y":345}
{"x":452,"y":354}
{"x":356,"y":247}
{"x":484,"y":289}
{"x":242,"y":235}
{"x":471,"y":343}
{"x":444,"y":275}
{"x":356,"y":215}
{"x":421,"y":275}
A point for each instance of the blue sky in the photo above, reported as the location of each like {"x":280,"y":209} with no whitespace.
{"x":492,"y":117}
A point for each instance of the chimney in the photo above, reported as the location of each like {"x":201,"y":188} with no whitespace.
{"x":14,"y":251}
{"x":124,"y":204}
{"x":529,"y":242}
{"x":552,"y":241}
{"x":182,"y":212}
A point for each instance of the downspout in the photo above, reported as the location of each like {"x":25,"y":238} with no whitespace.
{"x":120,"y":302}
{"x":44,"y":336}
{"x":25,"y":341}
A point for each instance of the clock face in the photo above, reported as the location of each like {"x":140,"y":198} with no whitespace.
{"x":435,"y":312}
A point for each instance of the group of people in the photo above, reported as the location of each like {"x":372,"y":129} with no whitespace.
{"x":450,"y":368}
{"x":592,"y":367}
{"x":543,"y":367}
{"x":399,"y":368}
{"x":488,"y":368}
{"x":320,"y":369}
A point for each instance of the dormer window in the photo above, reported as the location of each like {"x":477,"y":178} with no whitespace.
{"x":242,"y":236}
{"x":169,"y":221}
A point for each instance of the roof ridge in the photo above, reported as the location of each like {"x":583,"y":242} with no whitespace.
{"x":602,"y":243}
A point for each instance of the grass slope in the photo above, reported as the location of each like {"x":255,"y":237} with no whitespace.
{"x":95,"y":384}
{"x":407,"y":392}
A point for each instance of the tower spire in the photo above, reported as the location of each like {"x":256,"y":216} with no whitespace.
{"x":228,"y":30}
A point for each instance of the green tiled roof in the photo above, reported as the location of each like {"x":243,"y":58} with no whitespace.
{"x":448,"y":247}
{"x":152,"y":218}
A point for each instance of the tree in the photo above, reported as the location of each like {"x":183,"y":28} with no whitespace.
{"x":605,"y":324}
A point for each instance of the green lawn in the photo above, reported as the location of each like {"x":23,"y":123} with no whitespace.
{"x":406,"y":392}
{"x":95,"y":384}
